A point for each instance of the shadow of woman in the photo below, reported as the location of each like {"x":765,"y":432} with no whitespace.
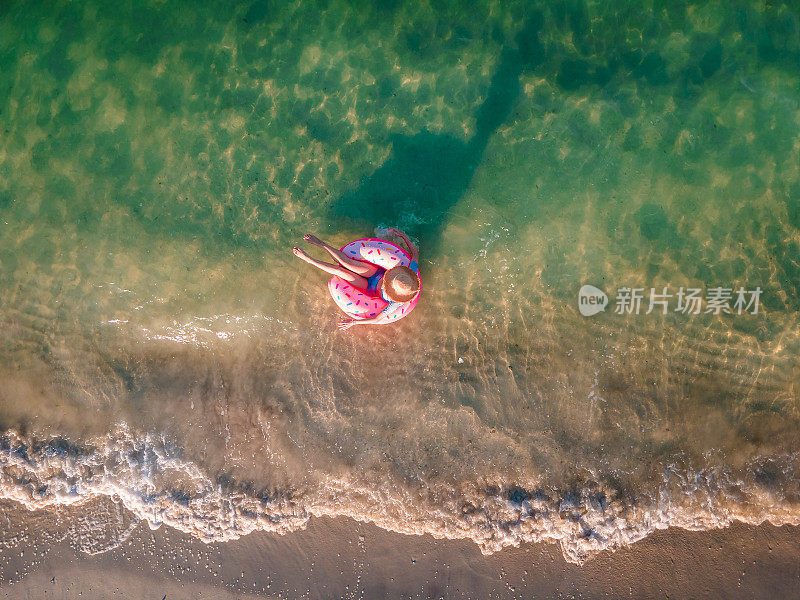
{"x":427,"y":173}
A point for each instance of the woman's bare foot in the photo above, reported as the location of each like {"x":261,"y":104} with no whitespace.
{"x":312,"y":239}
{"x":300,"y":254}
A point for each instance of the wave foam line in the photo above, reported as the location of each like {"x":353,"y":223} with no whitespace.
{"x":148,"y":477}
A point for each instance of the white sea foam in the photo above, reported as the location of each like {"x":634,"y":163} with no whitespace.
{"x":150,"y":479}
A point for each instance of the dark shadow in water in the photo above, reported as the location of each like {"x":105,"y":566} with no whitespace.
{"x":428,"y":173}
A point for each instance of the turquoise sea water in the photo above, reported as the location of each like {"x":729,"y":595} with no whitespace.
{"x":163,"y":348}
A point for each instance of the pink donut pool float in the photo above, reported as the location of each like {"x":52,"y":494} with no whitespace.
{"x":360,"y":304}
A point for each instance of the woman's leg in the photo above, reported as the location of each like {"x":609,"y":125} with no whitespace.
{"x":357,"y":280}
{"x":356,"y":266}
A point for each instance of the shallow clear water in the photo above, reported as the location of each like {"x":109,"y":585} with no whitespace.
{"x":164,"y":348}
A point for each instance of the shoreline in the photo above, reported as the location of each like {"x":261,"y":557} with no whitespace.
{"x":341,"y":558}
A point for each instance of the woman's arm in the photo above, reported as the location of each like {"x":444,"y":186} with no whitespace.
{"x":348,"y":323}
{"x":388,"y":310}
{"x":411,"y":247}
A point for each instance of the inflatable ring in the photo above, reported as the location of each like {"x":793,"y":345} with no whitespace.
{"x":360,"y":304}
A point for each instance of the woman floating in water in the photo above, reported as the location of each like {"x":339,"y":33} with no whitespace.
{"x":375,"y":282}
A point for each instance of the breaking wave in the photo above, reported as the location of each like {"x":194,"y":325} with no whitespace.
{"x":148,"y":477}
